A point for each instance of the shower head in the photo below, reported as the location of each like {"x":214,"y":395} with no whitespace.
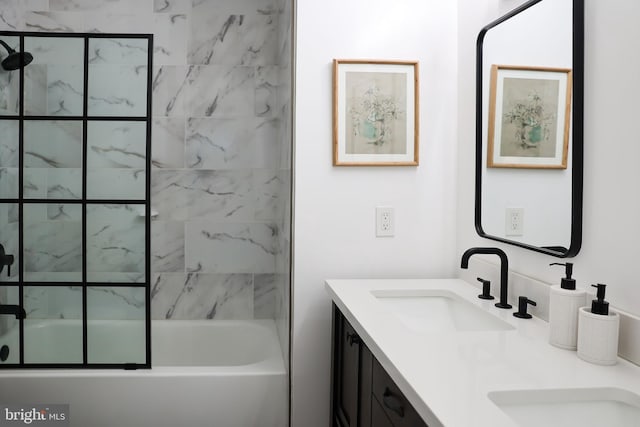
{"x":15,"y":60}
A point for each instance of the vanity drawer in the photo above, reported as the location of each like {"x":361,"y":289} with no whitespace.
{"x":392,"y":401}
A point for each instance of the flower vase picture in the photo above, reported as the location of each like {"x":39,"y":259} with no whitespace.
{"x":375,"y":113}
{"x":529,"y":117}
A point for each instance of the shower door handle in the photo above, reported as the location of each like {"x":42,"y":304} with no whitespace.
{"x":5,"y":259}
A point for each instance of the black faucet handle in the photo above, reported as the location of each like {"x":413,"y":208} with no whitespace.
{"x":9,"y":262}
{"x":486,"y":289}
{"x":5,"y":259}
{"x":523,"y":303}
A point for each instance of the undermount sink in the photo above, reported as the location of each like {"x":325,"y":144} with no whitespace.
{"x":438,"y":311}
{"x":570,"y":407}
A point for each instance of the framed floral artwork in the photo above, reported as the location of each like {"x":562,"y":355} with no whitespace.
{"x":529,"y":117}
{"x":375,"y":113}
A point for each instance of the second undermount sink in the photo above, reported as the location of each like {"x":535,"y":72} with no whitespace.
{"x":438,"y":311}
{"x":587,"y":407}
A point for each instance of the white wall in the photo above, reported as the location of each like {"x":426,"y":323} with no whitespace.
{"x":334,"y":206}
{"x":612,"y":149}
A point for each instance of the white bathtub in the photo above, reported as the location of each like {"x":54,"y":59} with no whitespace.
{"x":205,"y":373}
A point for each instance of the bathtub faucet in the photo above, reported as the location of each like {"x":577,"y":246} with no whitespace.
{"x":16,"y":310}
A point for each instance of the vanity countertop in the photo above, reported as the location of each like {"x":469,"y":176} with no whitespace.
{"x":447,"y":376}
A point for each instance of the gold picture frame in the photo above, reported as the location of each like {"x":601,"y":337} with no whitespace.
{"x":529,"y":117}
{"x":375,"y":113}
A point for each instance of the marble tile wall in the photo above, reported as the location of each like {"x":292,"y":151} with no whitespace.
{"x":221,"y":149}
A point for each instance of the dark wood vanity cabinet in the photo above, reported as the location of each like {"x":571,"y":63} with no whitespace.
{"x":362,"y":393}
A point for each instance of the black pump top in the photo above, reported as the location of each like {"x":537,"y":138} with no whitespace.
{"x":567,"y":282}
{"x":599,"y":305}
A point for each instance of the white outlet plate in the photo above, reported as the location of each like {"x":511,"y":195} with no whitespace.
{"x":385,"y":221}
{"x":514,"y":221}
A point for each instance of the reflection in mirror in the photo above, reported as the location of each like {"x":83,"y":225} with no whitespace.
{"x":529,"y":130}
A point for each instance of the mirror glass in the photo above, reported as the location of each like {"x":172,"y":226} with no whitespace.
{"x":529,"y":127}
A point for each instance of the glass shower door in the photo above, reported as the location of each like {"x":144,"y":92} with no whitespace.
{"x":74,"y":183}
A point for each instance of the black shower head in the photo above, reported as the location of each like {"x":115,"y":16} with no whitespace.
{"x":15,"y":60}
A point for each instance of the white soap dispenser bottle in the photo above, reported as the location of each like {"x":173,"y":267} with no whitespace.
{"x":564,"y":304}
{"x":598,"y":331}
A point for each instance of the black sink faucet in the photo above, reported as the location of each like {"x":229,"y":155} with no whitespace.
{"x":504,"y":270}
{"x":16,"y":310}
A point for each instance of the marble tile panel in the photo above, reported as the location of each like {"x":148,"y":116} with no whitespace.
{"x":202,"y":296}
{"x":118,"y":77}
{"x":168,"y":146}
{"x":51,"y":246}
{"x":239,"y":7}
{"x":9,"y":92}
{"x":9,"y":143}
{"x":101,"y":22}
{"x":9,"y":158}
{"x":268,"y":186}
{"x":170,"y":85}
{"x":136,"y":6}
{"x":115,"y":240}
{"x":60,"y":22}
{"x":63,"y":183}
{"x":120,"y":51}
{"x":65,"y":93}
{"x":265,"y":290}
{"x":117,"y":90}
{"x":35,"y":90}
{"x":220,"y":39}
{"x":53,"y":302}
{"x":55,"y":50}
{"x":35,"y":183}
{"x":8,"y":183}
{"x":9,"y":80}
{"x":116,"y":183}
{"x":12,"y":15}
{"x":268,"y":149}
{"x":54,"y":81}
{"x":221,"y":143}
{"x":167,"y":246}
{"x":221,"y":91}
{"x":52,"y":144}
{"x":170,"y":39}
{"x":211,"y":195}
{"x":115,"y":144}
{"x":65,"y":213}
{"x":172,"y":6}
{"x":230,"y":247}
{"x":266,"y":92}
{"x":36,"y":5}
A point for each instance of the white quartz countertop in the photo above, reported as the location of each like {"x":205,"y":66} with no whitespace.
{"x":446,"y":375}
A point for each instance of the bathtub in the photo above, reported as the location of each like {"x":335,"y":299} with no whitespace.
{"x":205,"y":373}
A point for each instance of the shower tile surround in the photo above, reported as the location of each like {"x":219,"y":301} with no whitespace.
{"x":221,"y":143}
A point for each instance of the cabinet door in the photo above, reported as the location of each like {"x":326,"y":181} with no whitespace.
{"x":352,"y":367}
{"x":378,"y":417}
{"x":394,"y":404}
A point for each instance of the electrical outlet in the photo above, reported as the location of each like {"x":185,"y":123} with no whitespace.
{"x":514,"y":224}
{"x":385,"y":226}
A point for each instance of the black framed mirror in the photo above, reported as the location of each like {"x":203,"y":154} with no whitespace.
{"x":529,"y":127}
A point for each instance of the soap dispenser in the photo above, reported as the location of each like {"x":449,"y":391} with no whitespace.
{"x":598,"y":330}
{"x":564,"y":303}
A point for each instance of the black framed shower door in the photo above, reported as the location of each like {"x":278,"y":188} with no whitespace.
{"x":75,"y":163}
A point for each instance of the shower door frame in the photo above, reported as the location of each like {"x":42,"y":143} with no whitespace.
{"x":83,"y":201}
